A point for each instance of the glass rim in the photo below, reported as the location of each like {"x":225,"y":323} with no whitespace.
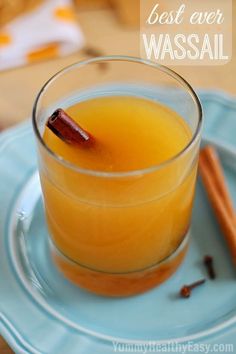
{"x":146,"y":170}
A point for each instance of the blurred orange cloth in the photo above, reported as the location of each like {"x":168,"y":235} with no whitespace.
{"x":48,"y":31}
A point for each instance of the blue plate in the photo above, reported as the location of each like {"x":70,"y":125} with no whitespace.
{"x":41,"y":312}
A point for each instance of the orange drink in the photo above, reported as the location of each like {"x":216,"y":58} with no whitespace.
{"x":118,"y":212}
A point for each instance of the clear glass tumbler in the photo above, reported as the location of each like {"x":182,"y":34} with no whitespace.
{"x":118,"y":233}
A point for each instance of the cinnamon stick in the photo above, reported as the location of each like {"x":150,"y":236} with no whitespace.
{"x":61,"y":124}
{"x":217,"y":173}
{"x":214,"y":189}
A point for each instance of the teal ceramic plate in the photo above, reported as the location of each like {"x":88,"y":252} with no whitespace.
{"x":41,"y":312}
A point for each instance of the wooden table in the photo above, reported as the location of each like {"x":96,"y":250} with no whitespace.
{"x":18,"y":87}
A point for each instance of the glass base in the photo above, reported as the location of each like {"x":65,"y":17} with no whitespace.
{"x":120,"y":284}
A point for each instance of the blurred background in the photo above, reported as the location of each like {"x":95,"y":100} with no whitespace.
{"x":39,"y":37}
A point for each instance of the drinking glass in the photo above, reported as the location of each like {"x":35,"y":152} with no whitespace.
{"x":118,"y":233}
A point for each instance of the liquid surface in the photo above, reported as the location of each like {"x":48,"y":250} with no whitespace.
{"x":131,"y":133}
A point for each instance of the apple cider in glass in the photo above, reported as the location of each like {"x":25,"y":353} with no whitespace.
{"x":118,"y":210}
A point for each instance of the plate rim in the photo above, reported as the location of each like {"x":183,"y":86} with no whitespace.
{"x":7,"y":329}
